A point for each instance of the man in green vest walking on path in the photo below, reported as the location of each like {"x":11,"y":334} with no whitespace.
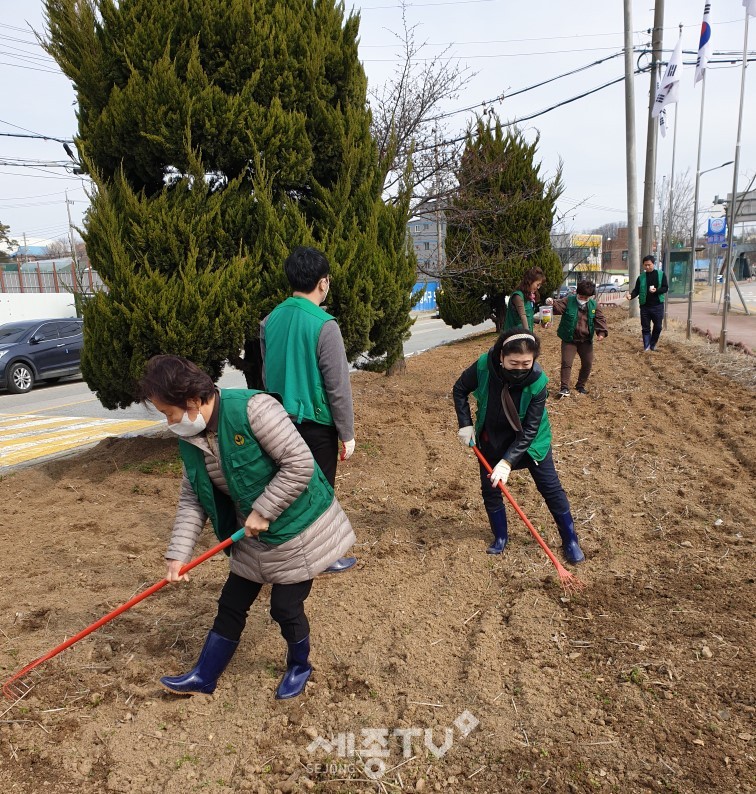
{"x":650,"y":289}
{"x":582,"y":319}
{"x":304,"y":361}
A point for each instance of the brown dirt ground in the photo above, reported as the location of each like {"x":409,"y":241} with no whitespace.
{"x":644,"y":682}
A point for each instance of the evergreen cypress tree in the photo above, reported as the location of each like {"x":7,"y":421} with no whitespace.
{"x":220,"y":134}
{"x":498,"y":225}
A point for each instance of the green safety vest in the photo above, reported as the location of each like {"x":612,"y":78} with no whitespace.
{"x":569,"y":318}
{"x":291,"y":359}
{"x":248,"y":469}
{"x":541,"y":444}
{"x":512,"y":317}
{"x":643,"y":291}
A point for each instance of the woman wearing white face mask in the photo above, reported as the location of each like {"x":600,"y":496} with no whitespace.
{"x":245,"y":464}
{"x":581,"y":320}
{"x":512,"y":427}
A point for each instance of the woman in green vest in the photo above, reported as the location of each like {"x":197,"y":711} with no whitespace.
{"x":246,"y":465}
{"x":522,"y":301}
{"x":512,"y":427}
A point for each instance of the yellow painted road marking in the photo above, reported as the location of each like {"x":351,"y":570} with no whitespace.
{"x":24,"y":437}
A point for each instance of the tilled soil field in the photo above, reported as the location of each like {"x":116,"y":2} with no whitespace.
{"x":437,"y":667}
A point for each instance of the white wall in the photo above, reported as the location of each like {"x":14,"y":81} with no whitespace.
{"x":35,"y":305}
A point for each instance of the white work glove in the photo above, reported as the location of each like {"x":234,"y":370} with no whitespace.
{"x":500,"y":473}
{"x":466,"y":436}
{"x":347,"y":448}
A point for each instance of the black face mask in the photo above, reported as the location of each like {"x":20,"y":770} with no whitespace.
{"x":515,"y":377}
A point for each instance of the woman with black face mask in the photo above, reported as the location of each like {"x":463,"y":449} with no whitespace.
{"x":512,"y":427}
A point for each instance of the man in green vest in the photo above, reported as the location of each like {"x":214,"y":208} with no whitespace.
{"x":650,"y":289}
{"x":581,"y":320}
{"x":305,"y":362}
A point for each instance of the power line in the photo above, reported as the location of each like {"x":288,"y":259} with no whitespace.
{"x":40,"y":195}
{"x":505,"y":95}
{"x":493,"y":55}
{"x":423,"y":5}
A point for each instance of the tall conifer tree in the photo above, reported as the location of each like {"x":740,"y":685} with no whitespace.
{"x":220,"y":134}
{"x":498,"y":225}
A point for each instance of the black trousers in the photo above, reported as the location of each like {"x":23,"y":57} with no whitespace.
{"x":286,"y":607}
{"x":323,"y":441}
{"x":544,"y":476}
{"x":649,"y":315}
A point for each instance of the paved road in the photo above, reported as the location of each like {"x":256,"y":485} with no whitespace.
{"x":56,"y":418}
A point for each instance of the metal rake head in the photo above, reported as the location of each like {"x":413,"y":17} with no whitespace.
{"x":570,"y":583}
{"x":20,"y":685}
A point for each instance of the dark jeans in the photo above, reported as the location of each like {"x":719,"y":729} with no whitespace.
{"x":286,"y":607}
{"x":569,"y":350}
{"x":323,"y":441}
{"x":648,"y":315}
{"x":544,"y":476}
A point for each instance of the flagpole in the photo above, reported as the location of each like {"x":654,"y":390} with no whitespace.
{"x":689,"y":327}
{"x":731,"y":229}
{"x":668,"y":233}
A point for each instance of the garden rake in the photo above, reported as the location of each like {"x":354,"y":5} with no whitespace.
{"x":20,"y":684}
{"x":570,"y":582}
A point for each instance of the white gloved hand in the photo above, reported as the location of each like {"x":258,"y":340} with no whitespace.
{"x":347,"y":448}
{"x":466,"y":436}
{"x":500,"y":473}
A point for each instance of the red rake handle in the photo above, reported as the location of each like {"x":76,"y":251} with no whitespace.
{"x":120,"y":610}
{"x":533,"y":531}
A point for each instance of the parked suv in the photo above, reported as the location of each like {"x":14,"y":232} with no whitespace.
{"x":33,"y":350}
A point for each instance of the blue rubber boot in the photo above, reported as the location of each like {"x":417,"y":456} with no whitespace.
{"x":570,"y":545}
{"x":342,"y":564}
{"x":298,"y":670}
{"x":202,"y":679}
{"x":646,"y":342}
{"x":498,"y":521}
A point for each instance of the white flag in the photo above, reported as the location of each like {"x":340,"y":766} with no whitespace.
{"x":704,"y":44}
{"x":662,"y":117}
{"x":670,"y":84}
{"x":750,"y":6}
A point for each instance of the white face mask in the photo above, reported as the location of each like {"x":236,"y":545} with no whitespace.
{"x":188,"y":427}
{"x":581,"y":303}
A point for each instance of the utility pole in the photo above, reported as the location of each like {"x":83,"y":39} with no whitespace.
{"x":652,"y":131}
{"x":70,"y":234}
{"x":439,"y":250}
{"x":733,"y":203}
{"x":632,"y":178}
{"x":26,"y":249}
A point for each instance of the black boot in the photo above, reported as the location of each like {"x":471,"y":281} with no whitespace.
{"x":570,"y":545}
{"x":298,"y":670}
{"x":498,"y":521}
{"x":202,"y":679}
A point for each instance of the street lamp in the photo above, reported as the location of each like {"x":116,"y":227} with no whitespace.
{"x":729,"y":162}
{"x":699,"y":174}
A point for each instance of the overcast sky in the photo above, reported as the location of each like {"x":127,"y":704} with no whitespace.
{"x":509,"y":44}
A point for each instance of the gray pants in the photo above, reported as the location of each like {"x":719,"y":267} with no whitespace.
{"x":569,"y":351}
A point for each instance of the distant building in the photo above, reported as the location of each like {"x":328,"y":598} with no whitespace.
{"x":425,"y":229}
{"x":27,"y":252}
{"x":578,"y":253}
{"x":614,"y":256}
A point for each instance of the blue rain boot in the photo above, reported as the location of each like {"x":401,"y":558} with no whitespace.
{"x":570,"y":545}
{"x":498,"y":521}
{"x":342,"y":564}
{"x":202,"y":679}
{"x":298,"y":670}
{"x":646,"y":342}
